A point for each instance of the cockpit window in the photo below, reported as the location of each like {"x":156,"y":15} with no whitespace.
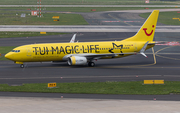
{"x":16,"y":51}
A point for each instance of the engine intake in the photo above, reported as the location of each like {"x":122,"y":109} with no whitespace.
{"x":76,"y":60}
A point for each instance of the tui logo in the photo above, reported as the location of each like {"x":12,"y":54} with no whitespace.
{"x":148,"y":34}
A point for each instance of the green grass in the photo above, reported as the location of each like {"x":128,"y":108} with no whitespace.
{"x":136,"y":88}
{"x":166,"y":17}
{"x":14,"y":18}
{"x":84,"y":2}
{"x":4,"y":50}
{"x":11,"y":17}
{"x":26,"y":34}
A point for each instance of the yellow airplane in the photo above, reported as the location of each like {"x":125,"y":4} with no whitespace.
{"x":86,"y":52}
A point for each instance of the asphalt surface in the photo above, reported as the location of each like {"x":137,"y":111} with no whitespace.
{"x":171,"y":97}
{"x":86,"y":28}
{"x":108,"y":21}
{"x":165,"y":64}
{"x":56,"y":105}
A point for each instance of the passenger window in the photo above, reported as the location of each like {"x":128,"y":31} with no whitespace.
{"x":17,"y":51}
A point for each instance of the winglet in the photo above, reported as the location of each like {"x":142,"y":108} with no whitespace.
{"x":143,"y":49}
{"x":144,"y":55}
{"x":73,"y":39}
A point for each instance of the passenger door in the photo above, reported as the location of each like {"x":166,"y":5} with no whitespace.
{"x":135,"y":47}
{"x":28,"y":49}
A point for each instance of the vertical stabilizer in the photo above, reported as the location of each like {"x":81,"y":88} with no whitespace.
{"x":146,"y":32}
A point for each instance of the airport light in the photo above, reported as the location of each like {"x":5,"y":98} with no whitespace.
{"x":38,"y":8}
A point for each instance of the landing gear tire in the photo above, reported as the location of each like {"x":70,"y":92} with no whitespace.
{"x":91,"y":64}
{"x":22,"y":65}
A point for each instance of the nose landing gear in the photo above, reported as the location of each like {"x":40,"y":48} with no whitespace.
{"x":22,"y":66}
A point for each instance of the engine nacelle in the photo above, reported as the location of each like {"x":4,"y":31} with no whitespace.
{"x":76,"y":60}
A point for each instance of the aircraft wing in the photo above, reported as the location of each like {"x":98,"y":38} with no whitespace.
{"x":73,"y":39}
{"x":95,"y":56}
{"x":98,"y":56}
{"x":144,"y":48}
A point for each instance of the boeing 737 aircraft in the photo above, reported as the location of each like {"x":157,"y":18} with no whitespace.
{"x":86,"y":52}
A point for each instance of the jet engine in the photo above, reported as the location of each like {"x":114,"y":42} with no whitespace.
{"x":76,"y":60}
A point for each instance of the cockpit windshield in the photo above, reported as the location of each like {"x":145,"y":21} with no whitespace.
{"x":16,"y":51}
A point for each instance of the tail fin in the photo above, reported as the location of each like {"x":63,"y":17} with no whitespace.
{"x":146,"y":32}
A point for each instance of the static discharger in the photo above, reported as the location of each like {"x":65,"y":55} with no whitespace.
{"x":52,"y":85}
{"x":153,"y":81}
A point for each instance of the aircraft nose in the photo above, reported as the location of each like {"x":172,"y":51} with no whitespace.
{"x":9,"y":56}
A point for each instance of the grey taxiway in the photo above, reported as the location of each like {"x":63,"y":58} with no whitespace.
{"x":163,"y":63}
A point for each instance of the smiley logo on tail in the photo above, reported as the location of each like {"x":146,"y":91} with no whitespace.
{"x":148,"y":34}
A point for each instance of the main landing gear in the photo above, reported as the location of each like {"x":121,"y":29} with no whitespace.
{"x":91,"y":64}
{"x":21,"y":64}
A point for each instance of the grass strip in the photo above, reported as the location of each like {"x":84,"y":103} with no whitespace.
{"x":4,"y":50}
{"x":131,"y":88}
{"x":12,"y":16}
{"x":166,"y":17}
{"x":9,"y":17}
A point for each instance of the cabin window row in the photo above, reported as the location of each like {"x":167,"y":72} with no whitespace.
{"x":16,"y":51}
{"x":81,"y":49}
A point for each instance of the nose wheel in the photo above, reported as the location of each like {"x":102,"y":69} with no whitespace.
{"x":91,"y":64}
{"x":22,"y":66}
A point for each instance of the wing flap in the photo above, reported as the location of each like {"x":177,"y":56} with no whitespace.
{"x":102,"y":55}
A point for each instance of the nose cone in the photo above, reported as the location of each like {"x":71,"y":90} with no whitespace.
{"x":9,"y":56}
